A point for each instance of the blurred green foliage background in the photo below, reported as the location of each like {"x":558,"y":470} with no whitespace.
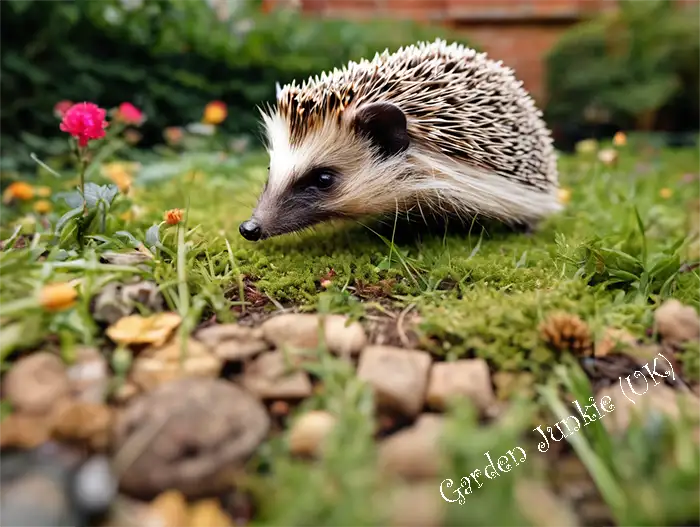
{"x":169,"y":58}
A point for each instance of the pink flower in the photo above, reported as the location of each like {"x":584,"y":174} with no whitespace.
{"x":129,"y":114}
{"x":61,"y":107}
{"x":84,"y":121}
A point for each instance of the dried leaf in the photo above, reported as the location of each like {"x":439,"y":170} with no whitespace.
{"x":208,"y":513}
{"x":169,"y":509}
{"x":136,"y":329}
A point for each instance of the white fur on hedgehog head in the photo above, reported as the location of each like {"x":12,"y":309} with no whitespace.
{"x":341,"y":167}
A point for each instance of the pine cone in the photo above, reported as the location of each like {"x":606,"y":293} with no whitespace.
{"x":566,"y":332}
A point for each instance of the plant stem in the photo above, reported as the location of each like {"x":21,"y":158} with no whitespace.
{"x":83,"y":166}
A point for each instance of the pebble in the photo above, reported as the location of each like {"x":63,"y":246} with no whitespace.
{"x":677,"y":323}
{"x":414,"y":453}
{"x":398,"y":376}
{"x":117,"y":300}
{"x":269,"y":377}
{"x":95,"y":486}
{"x":613,"y":339}
{"x":89,"y":376}
{"x":418,"y":505}
{"x":200,"y":432}
{"x":156,"y":366}
{"x":36,"y":382}
{"x":84,"y":423}
{"x":541,"y":507}
{"x":35,"y":488}
{"x":309,"y":432}
{"x":301,"y":330}
{"x":468,"y":378}
{"x":233,"y":342}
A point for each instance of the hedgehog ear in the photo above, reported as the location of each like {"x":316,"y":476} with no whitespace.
{"x":385,"y":125}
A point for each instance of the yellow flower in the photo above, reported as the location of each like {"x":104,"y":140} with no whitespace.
{"x":57,"y":297}
{"x":666,"y":193}
{"x":195,"y":175}
{"x":43,"y":192}
{"x":215,"y":113}
{"x":119,"y":175}
{"x":18,"y":190}
{"x":608,"y":156}
{"x":587,"y":146}
{"x":620,"y":139}
{"x":42,"y":206}
{"x":564,"y":195}
{"x":173,"y":217}
{"x":127,"y":216}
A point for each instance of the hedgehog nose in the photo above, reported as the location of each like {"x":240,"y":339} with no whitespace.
{"x":250,"y":230}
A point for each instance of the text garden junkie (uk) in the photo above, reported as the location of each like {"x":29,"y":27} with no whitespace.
{"x":593,"y":412}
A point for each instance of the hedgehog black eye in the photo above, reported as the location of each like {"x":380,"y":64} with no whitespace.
{"x":323,"y":180}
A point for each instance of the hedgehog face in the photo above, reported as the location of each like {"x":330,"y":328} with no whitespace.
{"x":343,"y":166}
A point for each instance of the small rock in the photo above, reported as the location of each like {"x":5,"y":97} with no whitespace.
{"x":125,"y":392}
{"x":36,"y":494}
{"x":208,"y":513}
{"x":309,"y":432}
{"x":131,"y":258}
{"x":155,"y":366}
{"x":138,"y":330}
{"x":214,"y":335}
{"x":541,"y":507}
{"x":415,"y":452}
{"x":35,"y":383}
{"x":677,"y":323}
{"x":24,"y":431}
{"x":84,"y":423}
{"x":200,"y":432}
{"x":95,"y":486}
{"x":301,"y":330}
{"x":611,"y":340}
{"x":418,"y":505}
{"x":89,"y":376}
{"x":269,"y":377}
{"x":169,"y":509}
{"x":233,"y":342}
{"x":117,"y":300}
{"x":463,"y":378}
{"x":399,"y":377}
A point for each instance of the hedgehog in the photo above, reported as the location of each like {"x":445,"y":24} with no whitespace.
{"x":432,"y":128}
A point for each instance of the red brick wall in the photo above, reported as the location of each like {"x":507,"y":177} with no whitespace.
{"x":517,"y":32}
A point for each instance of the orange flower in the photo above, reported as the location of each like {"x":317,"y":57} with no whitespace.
{"x":18,"y":190}
{"x":173,"y":216}
{"x":173,"y":135}
{"x":620,"y":139}
{"x":42,"y":206}
{"x":57,"y":297}
{"x":215,"y":112}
